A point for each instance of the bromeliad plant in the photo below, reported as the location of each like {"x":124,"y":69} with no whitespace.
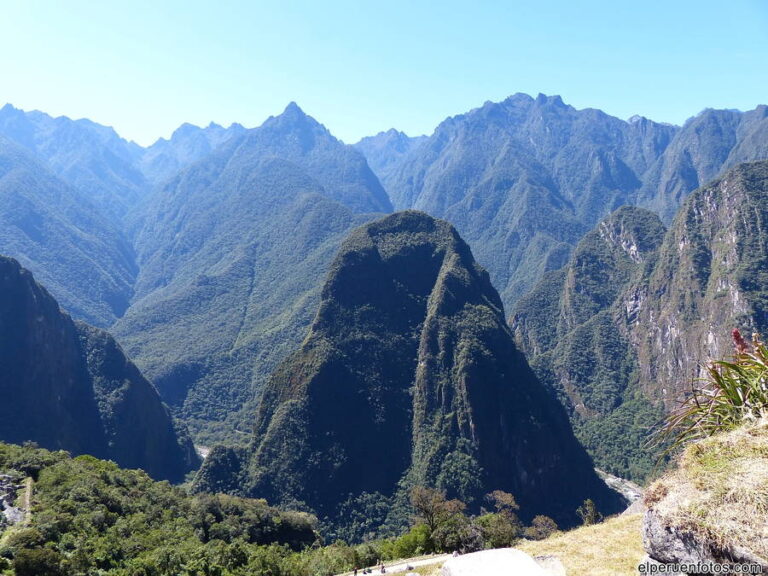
{"x":732,"y":393}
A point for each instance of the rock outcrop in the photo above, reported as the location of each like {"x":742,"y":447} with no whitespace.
{"x":712,"y":508}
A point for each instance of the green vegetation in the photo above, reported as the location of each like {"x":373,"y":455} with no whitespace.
{"x":408,"y":377}
{"x":230,"y":251}
{"x":90,"y":517}
{"x":732,"y":393}
{"x":568,"y":327}
{"x":61,"y":236}
{"x":69,"y":385}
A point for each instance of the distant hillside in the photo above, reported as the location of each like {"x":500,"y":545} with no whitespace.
{"x":408,"y":376}
{"x":163,"y":159}
{"x":56,"y":231}
{"x":67,"y":385}
{"x":524,"y":179}
{"x":86,"y":155}
{"x":385,"y":151}
{"x":230,"y":254}
{"x":621,"y":331}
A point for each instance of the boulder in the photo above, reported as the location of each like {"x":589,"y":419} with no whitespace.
{"x":497,"y":562}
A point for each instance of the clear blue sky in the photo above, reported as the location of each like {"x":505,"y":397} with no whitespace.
{"x":359,"y":67}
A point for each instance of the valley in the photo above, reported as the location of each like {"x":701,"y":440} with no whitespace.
{"x":478,"y":318}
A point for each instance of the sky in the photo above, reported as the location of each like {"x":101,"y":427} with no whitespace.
{"x":360,"y":67}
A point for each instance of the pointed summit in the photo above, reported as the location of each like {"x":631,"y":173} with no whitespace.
{"x":293,"y":109}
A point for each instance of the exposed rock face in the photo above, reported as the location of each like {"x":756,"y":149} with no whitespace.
{"x":9,"y":489}
{"x":711,"y":509}
{"x":670,"y":544}
{"x":66,"y":385}
{"x":572,"y":328}
{"x":409,"y":376}
{"x":622,"y":330}
{"x":711,"y":276}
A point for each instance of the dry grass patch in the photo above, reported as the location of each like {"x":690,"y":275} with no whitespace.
{"x":720,"y":489}
{"x":611,"y":548}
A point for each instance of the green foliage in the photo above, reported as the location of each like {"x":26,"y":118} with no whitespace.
{"x":38,"y":562}
{"x":588,"y":513}
{"x":415,"y":542}
{"x":59,"y":233}
{"x":730,"y":394}
{"x":541,"y":527}
{"x":91,"y":516}
{"x":231,"y":252}
{"x":568,"y":326}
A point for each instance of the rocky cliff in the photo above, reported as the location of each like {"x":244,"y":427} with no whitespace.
{"x":624,"y":328}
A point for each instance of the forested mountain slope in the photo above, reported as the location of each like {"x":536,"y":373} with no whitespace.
{"x":67,"y":385}
{"x":408,"y":376}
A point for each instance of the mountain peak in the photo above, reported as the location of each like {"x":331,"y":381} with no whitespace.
{"x":380,"y":372}
{"x":293,"y":110}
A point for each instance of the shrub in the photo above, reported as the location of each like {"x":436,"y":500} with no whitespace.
{"x":732,"y":393}
{"x":541,"y":527}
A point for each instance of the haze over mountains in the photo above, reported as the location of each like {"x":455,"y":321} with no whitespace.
{"x":524,"y":179}
{"x":205,"y":253}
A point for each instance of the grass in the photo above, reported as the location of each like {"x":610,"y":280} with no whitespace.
{"x":719,"y":490}
{"x":611,"y":548}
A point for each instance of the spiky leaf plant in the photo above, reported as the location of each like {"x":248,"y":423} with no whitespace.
{"x":731,"y":393}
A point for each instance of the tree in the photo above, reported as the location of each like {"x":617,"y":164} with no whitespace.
{"x":444,"y":518}
{"x":541,"y":527}
{"x":588,"y":513}
{"x":502,"y":528}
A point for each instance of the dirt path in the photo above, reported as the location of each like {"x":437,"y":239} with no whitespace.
{"x":399,"y":566}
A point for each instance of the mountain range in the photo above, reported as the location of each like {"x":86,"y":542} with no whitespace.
{"x":230,"y":254}
{"x":524,"y":179}
{"x":203,"y":253}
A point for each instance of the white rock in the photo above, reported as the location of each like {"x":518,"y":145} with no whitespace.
{"x":498,"y":562}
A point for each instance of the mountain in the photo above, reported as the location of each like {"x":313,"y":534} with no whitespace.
{"x":385,"y":150}
{"x":67,"y":385}
{"x":572,"y":328}
{"x":230,"y":255}
{"x":86,"y":155}
{"x":57,"y":232}
{"x":623,"y":329}
{"x":708,"y":144}
{"x":187,"y":144}
{"x":524,"y":179}
{"x":408,"y":376}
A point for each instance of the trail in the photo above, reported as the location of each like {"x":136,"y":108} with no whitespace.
{"x":399,"y":566}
